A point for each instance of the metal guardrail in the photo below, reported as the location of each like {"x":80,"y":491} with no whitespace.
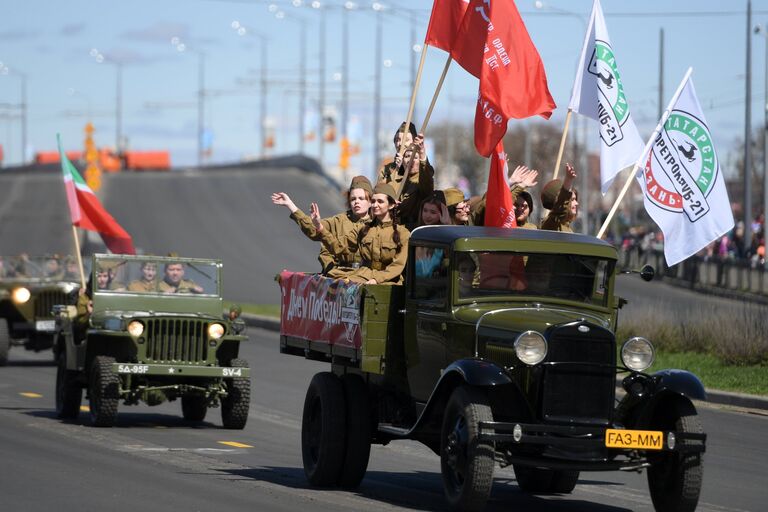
{"x":737,"y":278}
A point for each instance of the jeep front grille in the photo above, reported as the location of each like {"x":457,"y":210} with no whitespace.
{"x":45,"y":301}
{"x":176,"y":340}
{"x":583,"y":389}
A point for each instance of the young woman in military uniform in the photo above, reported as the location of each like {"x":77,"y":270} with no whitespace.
{"x":562,"y":201}
{"x":381,"y":243}
{"x":359,"y":201}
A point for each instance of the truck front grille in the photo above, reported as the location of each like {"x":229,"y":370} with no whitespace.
{"x":176,"y":341}
{"x":44,"y":302}
{"x":583,"y":389}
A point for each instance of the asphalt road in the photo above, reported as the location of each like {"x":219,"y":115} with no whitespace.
{"x":153,"y":460}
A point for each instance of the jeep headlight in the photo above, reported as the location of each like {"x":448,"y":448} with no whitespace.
{"x":215,"y":331}
{"x":531,"y":347}
{"x":21,"y":295}
{"x":637,"y":354}
{"x":135,"y":328}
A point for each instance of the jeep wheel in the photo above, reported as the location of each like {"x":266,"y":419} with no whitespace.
{"x":357,"y":448}
{"x":194,"y":407}
{"x":234,"y":407}
{"x":537,"y":480}
{"x":103,"y":392}
{"x":674,"y":478}
{"x":466,"y":461}
{"x":5,"y":341}
{"x":323,"y":428}
{"x":69,"y":394}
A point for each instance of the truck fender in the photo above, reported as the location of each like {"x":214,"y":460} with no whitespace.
{"x":681,"y":382}
{"x":667,"y":384}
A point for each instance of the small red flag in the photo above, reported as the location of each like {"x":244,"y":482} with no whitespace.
{"x":444,"y":23}
{"x":493,"y":44}
{"x":499,"y":210}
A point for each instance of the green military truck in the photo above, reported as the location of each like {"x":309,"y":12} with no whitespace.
{"x":499,"y":348}
{"x":156,"y":333}
{"x":29,"y":288}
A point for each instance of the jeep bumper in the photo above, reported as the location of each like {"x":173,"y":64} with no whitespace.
{"x":180,"y":370}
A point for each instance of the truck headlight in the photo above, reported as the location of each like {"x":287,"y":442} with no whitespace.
{"x":637,"y":354}
{"x":215,"y":331}
{"x":135,"y":328}
{"x":531,"y":347}
{"x":21,"y":295}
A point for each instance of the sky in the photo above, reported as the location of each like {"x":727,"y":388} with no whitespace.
{"x":55,"y":47}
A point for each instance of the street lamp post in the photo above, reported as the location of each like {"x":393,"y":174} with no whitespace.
{"x":181,"y":47}
{"x":377,"y":88}
{"x":761,"y":29}
{"x":302,"y":73}
{"x":100,"y":58}
{"x":5,"y":70}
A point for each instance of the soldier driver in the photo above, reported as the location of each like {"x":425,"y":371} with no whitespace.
{"x":174,"y":281}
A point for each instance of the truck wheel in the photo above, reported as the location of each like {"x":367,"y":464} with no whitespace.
{"x":5,"y":341}
{"x":323,"y":426}
{"x":103,"y":392}
{"x":564,"y":482}
{"x":674,"y":478}
{"x":69,"y":394}
{"x":234,"y":407}
{"x":534,"y":480}
{"x":465,"y":461}
{"x":194,"y":407}
{"x":357,"y":448}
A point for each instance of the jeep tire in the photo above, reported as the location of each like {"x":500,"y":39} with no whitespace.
{"x":674,"y":478}
{"x":103,"y":392}
{"x":5,"y":341}
{"x":69,"y":394}
{"x":323,"y":430}
{"x":234,"y":407}
{"x":194,"y":407}
{"x":466,"y":461}
{"x":357,"y":445}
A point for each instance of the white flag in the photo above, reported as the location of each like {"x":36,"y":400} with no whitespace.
{"x":683,"y":185}
{"x":598,"y":93}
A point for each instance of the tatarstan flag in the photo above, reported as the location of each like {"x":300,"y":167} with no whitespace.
{"x":86,"y":210}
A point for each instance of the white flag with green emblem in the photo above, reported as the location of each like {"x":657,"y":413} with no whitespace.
{"x":683,"y":185}
{"x":598,"y":93}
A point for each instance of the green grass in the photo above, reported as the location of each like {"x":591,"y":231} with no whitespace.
{"x":752,"y":379}
{"x":257,"y":309}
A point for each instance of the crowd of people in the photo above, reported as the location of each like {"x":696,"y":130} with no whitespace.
{"x":368,"y":243}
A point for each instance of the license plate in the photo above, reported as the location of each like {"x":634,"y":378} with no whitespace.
{"x":45,"y":325}
{"x":642,"y":439}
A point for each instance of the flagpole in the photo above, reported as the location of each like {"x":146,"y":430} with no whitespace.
{"x":79,"y":257}
{"x":647,"y":148}
{"x":562,"y":143}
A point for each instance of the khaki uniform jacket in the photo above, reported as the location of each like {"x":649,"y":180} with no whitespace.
{"x":380,"y":258}
{"x":142,"y":285}
{"x":416,"y":189}
{"x":557,"y":219}
{"x":81,"y":321}
{"x":184,"y":286}
{"x":339,"y":225}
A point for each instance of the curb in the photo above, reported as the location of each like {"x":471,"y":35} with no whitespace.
{"x":714,"y":396}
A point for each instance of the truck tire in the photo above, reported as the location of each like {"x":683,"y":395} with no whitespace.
{"x":103,"y":392}
{"x":537,"y":480}
{"x":466,"y":462}
{"x":194,"y":407}
{"x":69,"y":394}
{"x":323,"y":426}
{"x":5,"y":341}
{"x":357,"y":447}
{"x":674,"y":478}
{"x":234,"y":407}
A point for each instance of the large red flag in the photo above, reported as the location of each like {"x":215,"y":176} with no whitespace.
{"x":499,"y":210}
{"x":444,"y":23}
{"x":86,"y":210}
{"x":493,"y":44}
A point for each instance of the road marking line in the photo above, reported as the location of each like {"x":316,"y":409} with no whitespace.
{"x":31,"y":395}
{"x":235,"y":444}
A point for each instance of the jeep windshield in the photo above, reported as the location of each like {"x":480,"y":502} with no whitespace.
{"x":156,"y":276}
{"x":38,"y":268}
{"x":562,"y":276}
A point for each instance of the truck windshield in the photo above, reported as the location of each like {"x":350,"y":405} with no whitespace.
{"x":563,"y":276}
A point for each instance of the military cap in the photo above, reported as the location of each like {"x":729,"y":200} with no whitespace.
{"x":526,"y":196}
{"x":387,"y":189}
{"x":453,"y":196}
{"x":549,"y":193}
{"x":361,"y":182}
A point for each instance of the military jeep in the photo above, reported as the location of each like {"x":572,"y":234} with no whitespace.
{"x":29,"y":289}
{"x":151,"y":339}
{"x":499,"y":348}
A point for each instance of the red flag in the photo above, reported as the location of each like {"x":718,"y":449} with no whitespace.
{"x":86,"y":211}
{"x":499,"y":210}
{"x":444,"y":23}
{"x":493,"y":45}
